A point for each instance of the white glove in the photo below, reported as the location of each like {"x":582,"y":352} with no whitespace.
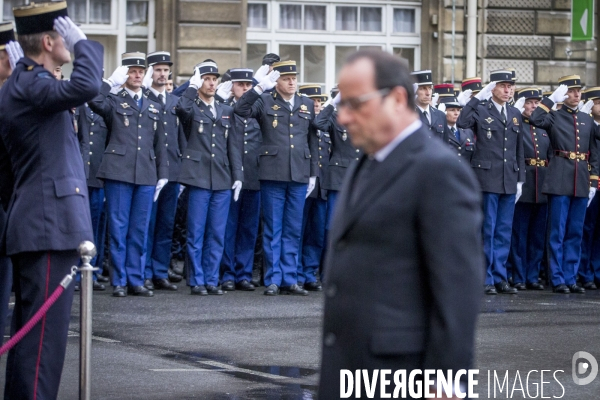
{"x":434,"y":99}
{"x":237,"y":188}
{"x":312,"y":182}
{"x":442,"y":107}
{"x":519,"y":105}
{"x":261,"y":73}
{"x":591,"y":195}
{"x":159,"y":186}
{"x":224,"y":90}
{"x":336,"y":100}
{"x":587,"y":107}
{"x":580,"y":105}
{"x":147,"y":82}
{"x":181,"y":189}
{"x":519,"y":191}
{"x":486,"y":92}
{"x":269,"y":81}
{"x":196,"y":81}
{"x":15,"y":53}
{"x":464,"y":97}
{"x":119,"y":77}
{"x":415,"y":87}
{"x":70,"y":32}
{"x":560,"y":94}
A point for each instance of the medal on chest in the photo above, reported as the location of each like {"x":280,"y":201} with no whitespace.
{"x":125,"y":120}
{"x":344,"y":136}
{"x":275,"y":121}
{"x":489,"y":134}
{"x":200,"y":127}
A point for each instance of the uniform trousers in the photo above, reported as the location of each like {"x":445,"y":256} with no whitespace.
{"x":34,"y":366}
{"x":566,"y":215}
{"x":129,"y":209}
{"x":527,"y":243}
{"x":240,"y":237}
{"x":498,"y":211}
{"x":98,"y":214}
{"x":160,"y":232}
{"x":312,"y":239}
{"x":282,"y":207}
{"x":589,"y":262}
{"x":206,"y":223}
{"x":5,"y":282}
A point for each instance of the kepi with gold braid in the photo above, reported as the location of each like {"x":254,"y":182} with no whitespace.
{"x":529,"y":93}
{"x":135,"y":59}
{"x":571,"y":81}
{"x":473,"y":84}
{"x":593,"y":93}
{"x":285,"y":67}
{"x":7,"y":34}
{"x":38,"y":17}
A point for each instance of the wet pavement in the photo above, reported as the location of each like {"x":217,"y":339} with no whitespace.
{"x":244,"y":345}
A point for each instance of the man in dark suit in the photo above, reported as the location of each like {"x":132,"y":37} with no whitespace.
{"x":433,"y":119}
{"x":386,"y":235}
{"x":48,"y":212}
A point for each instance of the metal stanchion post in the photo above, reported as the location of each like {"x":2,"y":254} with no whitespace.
{"x":87,"y":251}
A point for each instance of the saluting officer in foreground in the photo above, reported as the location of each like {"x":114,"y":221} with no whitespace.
{"x":48,"y":213}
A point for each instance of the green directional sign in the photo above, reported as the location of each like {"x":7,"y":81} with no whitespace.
{"x":582,"y":20}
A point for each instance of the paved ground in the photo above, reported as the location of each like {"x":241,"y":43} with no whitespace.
{"x":249,"y":346}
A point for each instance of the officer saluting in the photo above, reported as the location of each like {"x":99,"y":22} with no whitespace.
{"x":134,"y":160}
{"x":499,"y":165}
{"x":572,"y":170}
{"x":48,"y":215}
{"x":529,"y":222}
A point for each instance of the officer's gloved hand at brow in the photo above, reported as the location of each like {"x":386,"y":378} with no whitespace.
{"x":560,"y":94}
{"x":70,"y":32}
{"x":147,"y":82}
{"x":15,"y":53}
{"x":434,"y":99}
{"x":519,"y":191}
{"x":237,"y":188}
{"x":267,"y":83}
{"x":224,"y":90}
{"x":159,"y":186}
{"x":587,"y":107}
{"x":261,"y":73}
{"x":336,"y":100}
{"x":312,"y":181}
{"x":442,"y":107}
{"x":591,"y":195}
{"x":119,"y":77}
{"x":196,"y":81}
{"x":415,"y":87}
{"x":486,"y":92}
{"x":519,"y":105}
{"x":464,"y":97}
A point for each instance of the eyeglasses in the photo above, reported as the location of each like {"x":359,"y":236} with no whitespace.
{"x":354,"y":103}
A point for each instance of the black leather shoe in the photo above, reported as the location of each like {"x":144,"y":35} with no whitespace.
{"x":255,"y":283}
{"x":504,"y":288}
{"x":175,"y":267}
{"x":163,"y":284}
{"x":173,"y":277}
{"x":141,"y":291}
{"x":535,"y":286}
{"x":214,"y":290}
{"x":576,"y":289}
{"x":561,"y":289}
{"x":102,"y":278}
{"x":590,"y":286}
{"x":119,"y":291}
{"x":272,"y":290}
{"x":293,"y":289}
{"x":228,"y":286}
{"x":148,"y":284}
{"x":490,"y":290}
{"x":313,"y":287}
{"x":98,"y":286}
{"x":199,"y":290}
{"x":245,"y":286}
{"x":520,"y":286}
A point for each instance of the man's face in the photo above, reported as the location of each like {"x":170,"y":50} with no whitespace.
{"x":452,"y":114}
{"x":59,"y":53}
{"x":502,"y":92}
{"x":209,"y":87}
{"x":596,"y":110}
{"x":424,"y":95}
{"x":573,"y":97}
{"x":136,"y":76}
{"x":287,"y":85}
{"x":4,"y":66}
{"x":169,"y":85}
{"x":239,"y":88}
{"x":160,"y":75}
{"x":318,"y":105}
{"x":529,"y":106}
{"x":57,"y":72}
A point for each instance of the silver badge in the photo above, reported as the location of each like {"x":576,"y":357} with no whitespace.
{"x":489,"y":134}
{"x":201,"y":128}
{"x":226,"y":133}
{"x":344,"y":136}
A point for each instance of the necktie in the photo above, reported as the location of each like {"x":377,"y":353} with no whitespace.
{"x":137,"y":101}
{"x":456,"y":133}
{"x":427,"y":116}
{"x":213,"y":111}
{"x":503,"y":114}
{"x":161,"y":98}
{"x":289,"y":105}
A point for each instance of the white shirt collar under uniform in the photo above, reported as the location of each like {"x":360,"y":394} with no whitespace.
{"x":132,"y":93}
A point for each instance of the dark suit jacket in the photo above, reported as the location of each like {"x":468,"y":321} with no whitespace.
{"x":405,"y":266}
{"x":49,"y":207}
{"x":91,"y":131}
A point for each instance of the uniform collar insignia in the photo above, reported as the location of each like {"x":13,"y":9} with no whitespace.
{"x":489,"y":120}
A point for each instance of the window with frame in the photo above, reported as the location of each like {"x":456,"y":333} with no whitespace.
{"x":404,"y":20}
{"x":307,"y":17}
{"x":136,"y":29}
{"x":310,"y":61}
{"x":257,"y":15}
{"x":354,"y":18}
{"x":406,"y":54}
{"x":89,"y":11}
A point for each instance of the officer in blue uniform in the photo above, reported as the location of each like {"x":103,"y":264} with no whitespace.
{"x":433,"y":119}
{"x":288,"y":169}
{"x":162,"y":220}
{"x":48,"y":212}
{"x":472,"y":84}
{"x":244,"y":214}
{"x":312,"y":241}
{"x":589,"y":264}
{"x":212,"y":163}
{"x":134,"y":160}
{"x":529,"y":222}
{"x":499,"y":164}
{"x":91,"y":131}
{"x":571,"y":179}
{"x":461,"y":141}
